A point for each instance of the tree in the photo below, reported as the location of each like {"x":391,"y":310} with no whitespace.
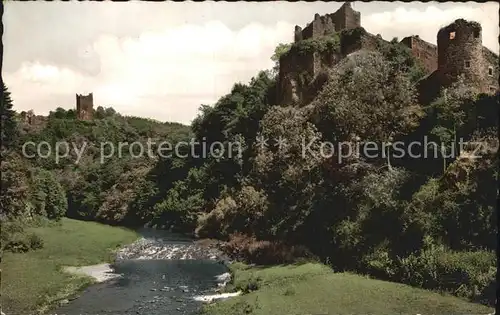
{"x":367,"y":99}
{"x":453,"y":109}
{"x":99,"y":112}
{"x":8,"y":121}
{"x":49,"y":196}
{"x":109,"y":111}
{"x":14,"y":186}
{"x":287,"y":171}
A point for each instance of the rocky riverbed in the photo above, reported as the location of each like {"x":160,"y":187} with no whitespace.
{"x":157,"y":275}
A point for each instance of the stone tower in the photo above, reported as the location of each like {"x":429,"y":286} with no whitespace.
{"x":84,"y":106}
{"x":460,"y":51}
{"x":346,"y":18}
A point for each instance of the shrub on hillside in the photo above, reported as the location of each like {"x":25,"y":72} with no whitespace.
{"x":463,"y":273}
{"x":14,"y":186}
{"x":260,"y":252}
{"x":35,"y":241}
{"x":49,"y":196}
{"x":15,"y":239}
{"x":242,"y":212}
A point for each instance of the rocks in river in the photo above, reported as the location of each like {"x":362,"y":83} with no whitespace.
{"x":224,"y":277}
{"x":63,"y":302}
{"x":158,"y":248}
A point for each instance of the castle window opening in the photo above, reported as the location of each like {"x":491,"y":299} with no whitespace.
{"x":467,"y":64}
{"x":490,"y":71}
{"x":452,"y":35}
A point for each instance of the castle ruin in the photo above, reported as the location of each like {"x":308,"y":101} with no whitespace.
{"x":84,"y":106}
{"x":459,"y":51}
{"x":344,"y":18}
{"x":28,"y":117}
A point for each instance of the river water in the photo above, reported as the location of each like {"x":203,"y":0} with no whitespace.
{"x":159,"y":275}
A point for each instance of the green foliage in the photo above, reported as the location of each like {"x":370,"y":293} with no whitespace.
{"x":48,"y":194}
{"x":116,"y":191}
{"x":15,"y":239}
{"x":61,"y":113}
{"x":14,"y":186}
{"x":352,"y":36}
{"x":243,"y":214}
{"x":387,"y":101}
{"x":401,"y":59}
{"x":8,"y":120}
{"x":464,"y":273}
{"x":323,"y":44}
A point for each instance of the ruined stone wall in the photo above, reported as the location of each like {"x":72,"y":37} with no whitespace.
{"x":292,"y":66}
{"x":460,"y":51}
{"x":491,"y":70}
{"x":429,"y":87}
{"x":28,"y":117}
{"x":31,"y":123}
{"x":426,"y":52}
{"x":346,"y":18}
{"x":321,"y":25}
{"x":298,"y":75}
{"x":361,"y":40}
{"x":84,"y":106}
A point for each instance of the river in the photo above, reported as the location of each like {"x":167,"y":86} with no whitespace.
{"x":161,"y":274}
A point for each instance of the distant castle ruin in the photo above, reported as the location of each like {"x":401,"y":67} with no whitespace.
{"x":459,"y":51}
{"x":84,"y":111}
{"x":84,"y":106}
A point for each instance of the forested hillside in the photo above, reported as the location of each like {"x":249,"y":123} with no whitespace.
{"x":425,"y":221}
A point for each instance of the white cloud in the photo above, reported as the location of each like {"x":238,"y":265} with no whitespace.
{"x":402,"y":22}
{"x":164,"y":74}
{"x":168,"y":73}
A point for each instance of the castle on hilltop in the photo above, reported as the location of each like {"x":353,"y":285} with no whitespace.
{"x":459,"y":51}
{"x":84,"y":111}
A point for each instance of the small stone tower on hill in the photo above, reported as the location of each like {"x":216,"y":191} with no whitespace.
{"x":460,"y":51}
{"x":84,"y":106}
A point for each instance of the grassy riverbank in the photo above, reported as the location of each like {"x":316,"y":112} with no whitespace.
{"x":33,"y":281}
{"x":313,"y":288}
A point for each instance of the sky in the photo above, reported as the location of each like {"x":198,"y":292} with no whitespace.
{"x":163,"y":60}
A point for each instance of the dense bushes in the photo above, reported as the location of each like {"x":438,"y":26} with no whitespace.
{"x":464,"y":273}
{"x":49,"y":197}
{"x":264,"y":252}
{"x":14,"y":186}
{"x":244,"y":214}
{"x":15,"y":239}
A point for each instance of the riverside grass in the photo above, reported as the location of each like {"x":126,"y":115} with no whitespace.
{"x":34,"y":281}
{"x":313,"y":288}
